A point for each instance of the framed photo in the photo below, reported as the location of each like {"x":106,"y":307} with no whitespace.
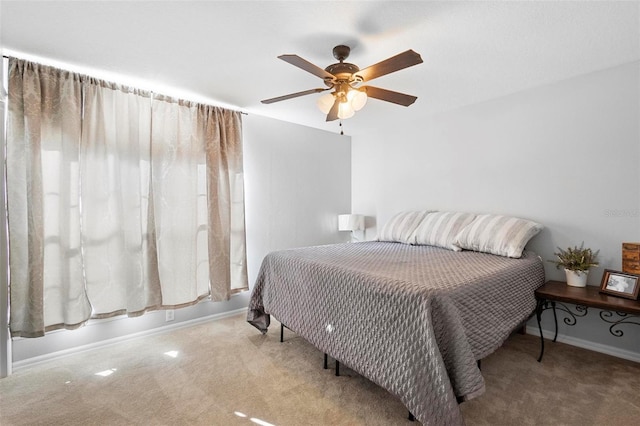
{"x":620,"y":284}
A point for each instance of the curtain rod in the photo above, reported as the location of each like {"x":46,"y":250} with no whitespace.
{"x":241,"y":112}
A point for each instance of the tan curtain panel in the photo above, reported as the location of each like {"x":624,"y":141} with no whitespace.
{"x":225,"y":195}
{"x":119,"y":201}
{"x":43,"y":199}
{"x":197,"y":164}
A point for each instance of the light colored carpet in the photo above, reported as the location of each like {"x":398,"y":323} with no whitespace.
{"x":227,"y":373}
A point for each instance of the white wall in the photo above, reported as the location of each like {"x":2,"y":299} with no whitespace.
{"x":5,"y":342}
{"x":297,"y":181}
{"x":566,"y":155}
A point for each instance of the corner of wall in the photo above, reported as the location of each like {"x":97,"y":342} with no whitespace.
{"x":5,"y":337}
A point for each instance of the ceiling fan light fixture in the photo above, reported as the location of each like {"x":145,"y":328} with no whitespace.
{"x":357,"y":98}
{"x":345,"y":110}
{"x":325,"y":102}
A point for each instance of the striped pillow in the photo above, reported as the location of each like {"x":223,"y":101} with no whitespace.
{"x":440,"y":229}
{"x":401,"y":227}
{"x":495,"y":234}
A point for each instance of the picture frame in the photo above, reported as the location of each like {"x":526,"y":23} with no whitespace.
{"x":621,"y":284}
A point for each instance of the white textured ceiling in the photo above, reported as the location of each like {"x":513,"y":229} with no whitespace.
{"x":225,"y":52}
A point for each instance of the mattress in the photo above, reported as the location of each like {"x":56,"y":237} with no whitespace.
{"x":413,"y":319}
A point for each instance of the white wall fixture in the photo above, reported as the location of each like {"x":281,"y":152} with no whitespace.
{"x":351,"y":222}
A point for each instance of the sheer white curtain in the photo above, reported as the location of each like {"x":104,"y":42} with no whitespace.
{"x":118,"y":204}
{"x":121,"y":268}
{"x":179,"y":201}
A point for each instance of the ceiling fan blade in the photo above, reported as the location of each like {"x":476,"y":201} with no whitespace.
{"x":307,"y":66}
{"x":389,"y":96}
{"x":292,"y":95}
{"x":333,"y":112}
{"x":393,"y":64}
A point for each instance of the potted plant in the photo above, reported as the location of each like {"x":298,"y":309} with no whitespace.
{"x":576,"y":262}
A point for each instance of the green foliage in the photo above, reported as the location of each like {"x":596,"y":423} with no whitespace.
{"x":576,"y":258}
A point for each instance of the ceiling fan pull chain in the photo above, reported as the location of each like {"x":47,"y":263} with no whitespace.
{"x":341,"y":131}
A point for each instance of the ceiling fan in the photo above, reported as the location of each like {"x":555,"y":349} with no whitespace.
{"x":345,"y":79}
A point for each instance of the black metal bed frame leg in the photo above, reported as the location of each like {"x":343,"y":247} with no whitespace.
{"x":555,"y":320}
{"x":411,"y":417}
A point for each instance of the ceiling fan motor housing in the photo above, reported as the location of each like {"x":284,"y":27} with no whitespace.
{"x":343,"y":71}
{"x":341,"y":52}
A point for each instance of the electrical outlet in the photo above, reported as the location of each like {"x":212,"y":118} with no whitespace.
{"x":170,"y":315}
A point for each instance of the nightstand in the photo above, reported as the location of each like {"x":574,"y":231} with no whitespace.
{"x":554,"y":294}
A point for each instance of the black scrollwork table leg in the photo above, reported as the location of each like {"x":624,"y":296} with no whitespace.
{"x":541,"y":306}
{"x":570,"y":319}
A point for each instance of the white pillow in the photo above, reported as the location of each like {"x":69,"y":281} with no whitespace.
{"x":440,"y":229}
{"x":401,"y":226}
{"x":496,"y":234}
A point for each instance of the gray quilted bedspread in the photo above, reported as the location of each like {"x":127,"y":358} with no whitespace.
{"x":413,"y":319}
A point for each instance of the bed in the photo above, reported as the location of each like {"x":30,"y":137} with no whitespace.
{"x":413,"y":319}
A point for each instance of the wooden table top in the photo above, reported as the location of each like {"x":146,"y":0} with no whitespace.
{"x":586,"y":296}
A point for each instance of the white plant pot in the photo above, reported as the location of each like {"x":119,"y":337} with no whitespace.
{"x":576,"y":278}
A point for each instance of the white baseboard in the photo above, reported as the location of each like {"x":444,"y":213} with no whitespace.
{"x":585,"y":344}
{"x":30,"y":362}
